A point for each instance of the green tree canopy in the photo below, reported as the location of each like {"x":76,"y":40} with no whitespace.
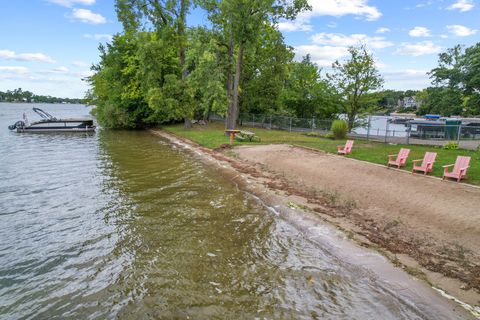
{"x":459,"y":70}
{"x":355,"y":79}
{"x":306,"y":94}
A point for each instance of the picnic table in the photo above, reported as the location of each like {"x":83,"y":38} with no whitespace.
{"x":244,"y":135}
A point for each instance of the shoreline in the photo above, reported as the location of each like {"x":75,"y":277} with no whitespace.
{"x":277,"y":193}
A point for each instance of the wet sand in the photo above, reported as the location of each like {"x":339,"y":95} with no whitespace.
{"x":367,"y":205}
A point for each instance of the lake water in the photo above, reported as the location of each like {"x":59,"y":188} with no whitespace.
{"x":123,"y":225}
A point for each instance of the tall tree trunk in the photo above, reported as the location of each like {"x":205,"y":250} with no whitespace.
{"x":351,"y":123}
{"x":229,"y":81}
{"x":182,"y":47}
{"x":233,"y":110}
{"x":351,"y":118}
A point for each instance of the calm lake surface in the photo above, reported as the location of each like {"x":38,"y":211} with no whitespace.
{"x":124,"y":225}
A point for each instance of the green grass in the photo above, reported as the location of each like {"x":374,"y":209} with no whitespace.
{"x":212,"y":136}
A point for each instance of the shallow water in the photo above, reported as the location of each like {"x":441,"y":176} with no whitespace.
{"x":124,"y":225}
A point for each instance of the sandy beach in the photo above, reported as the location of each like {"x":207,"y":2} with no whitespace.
{"x":425,"y":222}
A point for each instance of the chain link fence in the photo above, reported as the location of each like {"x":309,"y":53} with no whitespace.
{"x":377,"y":128}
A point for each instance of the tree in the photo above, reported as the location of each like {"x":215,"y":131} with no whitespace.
{"x":169,"y":21}
{"x":440,"y":100}
{"x":306,"y":94}
{"x":265,"y":72}
{"x":355,"y":79}
{"x":459,"y":70}
{"x":241,"y":21}
{"x":205,"y":66}
{"x":116,"y":87}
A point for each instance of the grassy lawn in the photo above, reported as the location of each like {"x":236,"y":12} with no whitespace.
{"x":212,"y":136}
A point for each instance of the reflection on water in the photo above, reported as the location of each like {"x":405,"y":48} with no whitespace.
{"x":122,"y":225}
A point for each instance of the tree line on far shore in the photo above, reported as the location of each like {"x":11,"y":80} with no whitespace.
{"x":18,"y":95}
{"x":159,"y":70}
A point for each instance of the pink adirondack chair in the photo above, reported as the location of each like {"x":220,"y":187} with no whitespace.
{"x":427,"y":163}
{"x":345,"y":149}
{"x":459,"y":171}
{"x":400,"y":160}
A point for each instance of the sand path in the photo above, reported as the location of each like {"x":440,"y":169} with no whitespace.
{"x":448,"y":209}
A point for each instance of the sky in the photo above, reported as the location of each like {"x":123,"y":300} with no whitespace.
{"x":48,"y":46}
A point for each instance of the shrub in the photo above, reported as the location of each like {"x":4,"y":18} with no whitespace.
{"x":339,"y":129}
{"x":329,"y":136}
{"x":452,"y":145}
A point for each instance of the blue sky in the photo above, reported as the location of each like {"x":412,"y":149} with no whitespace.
{"x":47,"y":46}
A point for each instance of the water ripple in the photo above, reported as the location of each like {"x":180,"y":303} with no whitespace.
{"x":119,"y":225}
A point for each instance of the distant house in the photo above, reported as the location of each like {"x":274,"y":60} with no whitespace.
{"x":407,"y":102}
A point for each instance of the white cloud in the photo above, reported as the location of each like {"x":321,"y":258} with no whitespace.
{"x":418,"y":49}
{"x":87,"y":16}
{"x":462,"y":5}
{"x":419,"y":32}
{"x":335,"y":8}
{"x":338,"y":8}
{"x":17,"y":70}
{"x":332,"y":24}
{"x":60,"y":70}
{"x":406,"y":79}
{"x":339,"y":39}
{"x":71,"y":3}
{"x":7,"y":54}
{"x":324,"y":56}
{"x":78,"y":63}
{"x":382,"y":30}
{"x":39,"y":57}
{"x":99,"y":37}
{"x":12,"y":55}
{"x":460,"y":31}
{"x":296,"y":25}
{"x":424,"y":4}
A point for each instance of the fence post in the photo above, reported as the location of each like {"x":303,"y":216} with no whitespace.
{"x":290,"y":124}
{"x":313,"y":123}
{"x":459,"y":132}
{"x":386,"y":131}
{"x":409,"y":129}
{"x":368,"y":127}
